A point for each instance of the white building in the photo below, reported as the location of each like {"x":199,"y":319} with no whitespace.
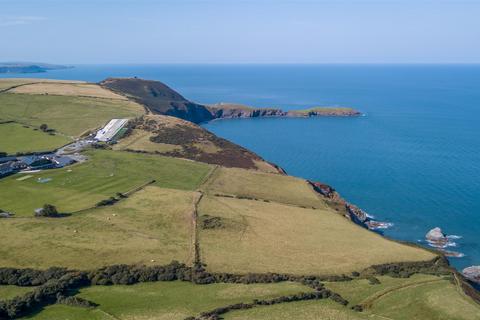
{"x":110,"y":130}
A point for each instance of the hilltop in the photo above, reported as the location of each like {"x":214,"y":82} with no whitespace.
{"x":169,"y":221}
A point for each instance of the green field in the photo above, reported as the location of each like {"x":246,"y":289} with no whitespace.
{"x":418,"y":297}
{"x":255,"y":184}
{"x":19,"y":138}
{"x":152,"y":226}
{"x":303,"y":310}
{"x":69,"y":115}
{"x":165,"y":300}
{"x":105,"y":173}
{"x":270,"y":237}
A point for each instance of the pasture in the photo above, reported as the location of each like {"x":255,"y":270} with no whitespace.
{"x":104,"y":174}
{"x":264,"y":186}
{"x":271,"y":237}
{"x":418,"y":297}
{"x":20,"y":138}
{"x":165,"y":300}
{"x":152,"y":226}
{"x":68,"y":89}
{"x":69,"y":115}
{"x":304,"y":310}
{"x":7,"y":83}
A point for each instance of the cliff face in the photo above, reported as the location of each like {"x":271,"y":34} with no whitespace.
{"x":224,"y":110}
{"x":159,"y":98}
{"x":349,"y":210}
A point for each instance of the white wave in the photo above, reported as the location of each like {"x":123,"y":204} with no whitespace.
{"x":453,"y":236}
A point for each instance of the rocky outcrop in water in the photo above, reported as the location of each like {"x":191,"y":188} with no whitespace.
{"x":472,"y":273}
{"x":436,"y":237}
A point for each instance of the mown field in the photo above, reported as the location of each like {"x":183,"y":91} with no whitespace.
{"x":152,"y":226}
{"x":105,"y":173}
{"x":264,"y":237}
{"x":69,"y":115}
{"x":164,"y":300}
{"x":20,"y":138}
{"x":264,"y":186}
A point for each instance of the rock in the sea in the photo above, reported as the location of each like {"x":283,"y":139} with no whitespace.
{"x":436,"y":237}
{"x":472,"y":273}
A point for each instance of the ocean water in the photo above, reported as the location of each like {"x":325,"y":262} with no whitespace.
{"x":413,"y":159}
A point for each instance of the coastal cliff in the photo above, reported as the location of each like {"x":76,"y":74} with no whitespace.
{"x":349,"y":210}
{"x":159,"y":98}
{"x":232,"y":110}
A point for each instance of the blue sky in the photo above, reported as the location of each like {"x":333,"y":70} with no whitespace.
{"x":261,"y":31}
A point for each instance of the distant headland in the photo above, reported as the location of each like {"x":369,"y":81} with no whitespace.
{"x":29,"y":67}
{"x":161,"y":99}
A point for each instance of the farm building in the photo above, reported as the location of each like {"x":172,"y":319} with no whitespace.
{"x":112,"y":128}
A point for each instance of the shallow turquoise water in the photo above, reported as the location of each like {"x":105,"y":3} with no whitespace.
{"x":413,"y":159}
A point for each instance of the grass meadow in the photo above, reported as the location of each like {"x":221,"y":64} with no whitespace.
{"x":69,"y":115}
{"x":165,"y":300}
{"x":256,"y":184}
{"x":19,"y":138}
{"x":270,"y":237}
{"x":302,"y":310}
{"x":8,"y":83}
{"x":104,"y":174}
{"x":152,"y":226}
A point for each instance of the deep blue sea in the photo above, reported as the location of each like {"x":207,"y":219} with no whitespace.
{"x":413,"y":159}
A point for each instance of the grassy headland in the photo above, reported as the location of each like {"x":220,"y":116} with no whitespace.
{"x":233,"y":229}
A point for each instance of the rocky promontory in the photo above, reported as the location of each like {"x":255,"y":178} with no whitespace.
{"x":350,"y":211}
{"x":232,"y":110}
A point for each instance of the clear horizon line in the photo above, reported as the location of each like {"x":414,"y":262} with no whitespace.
{"x":268,"y":63}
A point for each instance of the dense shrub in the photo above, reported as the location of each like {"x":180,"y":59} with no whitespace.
{"x":437,"y":266}
{"x":47,"y":210}
{"x":107,"y":202}
{"x":75,"y":301}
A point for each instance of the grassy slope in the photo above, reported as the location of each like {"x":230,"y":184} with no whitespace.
{"x":274,"y":187}
{"x":417,"y":297}
{"x":105,"y":173}
{"x":17,"y":138}
{"x":153,"y":224}
{"x":8,"y":83}
{"x":165,"y":300}
{"x":139,"y":140}
{"x":271,"y":237}
{"x":67,"y":114}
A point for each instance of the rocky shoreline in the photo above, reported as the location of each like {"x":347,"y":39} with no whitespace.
{"x":230,"y":111}
{"x":352,"y":212}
